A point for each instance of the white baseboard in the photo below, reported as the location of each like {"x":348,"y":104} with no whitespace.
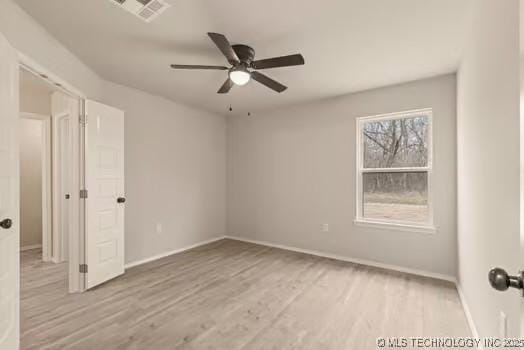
{"x":179,"y":250}
{"x":30,"y":247}
{"x":349,"y":259}
{"x":299,"y":250}
{"x":467,"y":312}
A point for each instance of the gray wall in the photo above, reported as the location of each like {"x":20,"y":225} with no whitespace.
{"x":488,"y":163}
{"x":175,"y":167}
{"x":291,"y":170}
{"x":30,"y":131}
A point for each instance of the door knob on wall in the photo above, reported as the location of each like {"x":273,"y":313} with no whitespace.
{"x":6,"y":223}
{"x":501,"y":281}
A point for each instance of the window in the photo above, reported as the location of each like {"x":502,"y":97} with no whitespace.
{"x":394,"y":169}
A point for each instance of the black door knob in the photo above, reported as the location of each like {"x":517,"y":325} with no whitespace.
{"x":501,"y":281}
{"x":120,"y":200}
{"x":6,"y":223}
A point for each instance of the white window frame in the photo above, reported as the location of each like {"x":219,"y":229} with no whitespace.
{"x":360,"y":220}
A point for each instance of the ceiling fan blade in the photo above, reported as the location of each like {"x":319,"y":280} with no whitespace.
{"x":223,"y":44}
{"x":267,"y":81}
{"x":224,"y":89}
{"x":275,"y":62}
{"x":194,"y":66}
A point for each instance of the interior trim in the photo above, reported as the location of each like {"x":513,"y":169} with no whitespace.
{"x":383,"y":225}
{"x":30,"y":247}
{"x":353,"y":260}
{"x":171,"y":252}
{"x":467,"y":312}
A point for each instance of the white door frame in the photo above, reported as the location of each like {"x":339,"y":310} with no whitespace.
{"x":9,"y":208}
{"x":77,"y":234}
{"x":47,"y":241}
{"x":58,"y":182}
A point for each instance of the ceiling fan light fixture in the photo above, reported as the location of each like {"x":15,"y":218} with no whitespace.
{"x":239,"y":75}
{"x":242,"y":59}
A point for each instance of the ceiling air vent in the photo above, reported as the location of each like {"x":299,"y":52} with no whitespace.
{"x":147,"y":10}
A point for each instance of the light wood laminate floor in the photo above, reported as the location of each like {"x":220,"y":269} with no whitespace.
{"x":234,"y":295}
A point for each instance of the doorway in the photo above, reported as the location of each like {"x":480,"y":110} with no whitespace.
{"x":85,"y":152}
{"x":46,"y":163}
{"x":35,"y":167}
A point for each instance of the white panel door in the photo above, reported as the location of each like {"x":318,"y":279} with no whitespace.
{"x":104,"y":161}
{"x":9,"y":204}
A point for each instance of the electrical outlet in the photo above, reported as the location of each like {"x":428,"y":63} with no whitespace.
{"x":325,"y":227}
{"x":158,"y":227}
{"x":503,"y":325}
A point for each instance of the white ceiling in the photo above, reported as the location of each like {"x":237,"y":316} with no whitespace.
{"x":348,"y":45}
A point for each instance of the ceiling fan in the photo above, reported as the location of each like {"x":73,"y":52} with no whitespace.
{"x":243,"y":65}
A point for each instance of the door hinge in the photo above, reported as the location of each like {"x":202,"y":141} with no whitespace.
{"x":83,"y":119}
{"x":83,"y":268}
{"x":83,"y":194}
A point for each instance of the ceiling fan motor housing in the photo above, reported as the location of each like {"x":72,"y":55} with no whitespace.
{"x":246,"y":54}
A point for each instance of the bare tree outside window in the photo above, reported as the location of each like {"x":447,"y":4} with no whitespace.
{"x":394,"y":169}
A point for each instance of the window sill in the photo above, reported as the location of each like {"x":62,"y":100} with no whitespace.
{"x":396,"y":226}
